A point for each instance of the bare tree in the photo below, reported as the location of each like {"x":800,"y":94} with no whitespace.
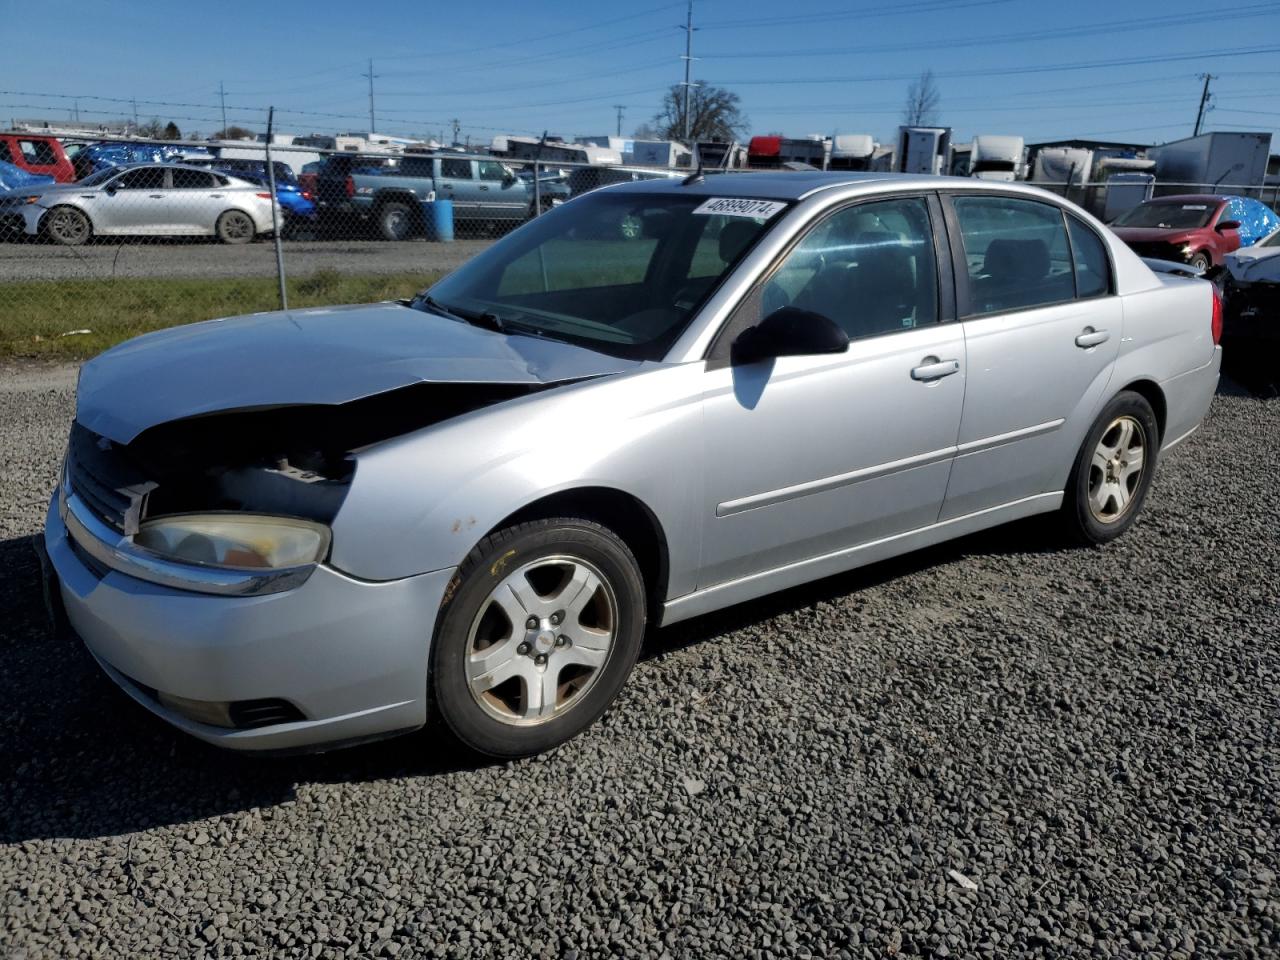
{"x":171,"y":131}
{"x":923,"y":101}
{"x":714,"y":114}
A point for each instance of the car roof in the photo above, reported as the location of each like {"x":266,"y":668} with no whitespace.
{"x":798,"y":184}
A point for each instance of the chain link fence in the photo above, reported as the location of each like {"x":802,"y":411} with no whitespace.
{"x":143,"y":235}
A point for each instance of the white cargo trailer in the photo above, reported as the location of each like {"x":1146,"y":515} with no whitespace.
{"x":1220,"y":160}
{"x":998,"y":158}
{"x":923,"y":150}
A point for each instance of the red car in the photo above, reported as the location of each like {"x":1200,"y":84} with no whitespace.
{"x":1191,"y":228}
{"x":37,"y":154}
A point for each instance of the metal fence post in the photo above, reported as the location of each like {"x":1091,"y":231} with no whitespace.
{"x":275,"y":213}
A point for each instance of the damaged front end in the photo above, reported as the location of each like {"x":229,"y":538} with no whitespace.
{"x":238,"y":502}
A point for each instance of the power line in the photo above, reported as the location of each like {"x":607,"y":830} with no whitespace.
{"x":1115,"y":26}
{"x":1009,"y":71}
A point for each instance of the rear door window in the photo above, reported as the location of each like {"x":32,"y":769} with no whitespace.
{"x":453,"y":169}
{"x":1016,"y":253}
{"x":192,"y":180}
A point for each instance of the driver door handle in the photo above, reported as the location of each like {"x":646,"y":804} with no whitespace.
{"x":156,"y":196}
{"x":931,"y":368}
{"x":1090,"y":337}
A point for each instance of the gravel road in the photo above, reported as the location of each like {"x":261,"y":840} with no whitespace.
{"x":991,"y":749}
{"x":174,"y":258}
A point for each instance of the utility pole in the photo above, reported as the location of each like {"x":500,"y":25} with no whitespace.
{"x":1204,"y":101}
{"x":370,"y":75}
{"x":619,"y":107}
{"x":457,"y":128}
{"x":222,"y":98}
{"x":688,"y":61}
{"x":135,"y":117}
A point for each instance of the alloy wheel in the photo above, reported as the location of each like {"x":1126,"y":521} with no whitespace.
{"x":541,"y":640}
{"x":1115,"y":473}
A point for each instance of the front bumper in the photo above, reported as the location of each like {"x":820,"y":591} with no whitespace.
{"x":350,"y":655}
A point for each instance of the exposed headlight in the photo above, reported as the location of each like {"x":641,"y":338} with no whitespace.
{"x":235,"y":540}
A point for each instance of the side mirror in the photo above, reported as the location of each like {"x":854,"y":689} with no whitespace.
{"x":1224,"y":225}
{"x":789,"y":332}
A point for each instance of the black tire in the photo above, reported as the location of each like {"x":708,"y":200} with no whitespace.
{"x":473,"y":717}
{"x":1084,"y":521}
{"x":1200,"y":260}
{"x":67,"y":226}
{"x":236,"y":227}
{"x":396,"y":221}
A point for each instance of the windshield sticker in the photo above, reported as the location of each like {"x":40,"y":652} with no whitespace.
{"x":731,"y":207}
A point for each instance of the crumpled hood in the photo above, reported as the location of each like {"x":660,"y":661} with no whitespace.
{"x":325,"y":355}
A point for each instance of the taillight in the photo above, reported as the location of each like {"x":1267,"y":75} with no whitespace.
{"x":351,"y":187}
{"x":1216,"y":323}
{"x":306,"y":195}
{"x":265,"y":196}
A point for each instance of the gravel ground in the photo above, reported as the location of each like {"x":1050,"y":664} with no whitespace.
{"x":107,"y":260}
{"x":990,"y":749}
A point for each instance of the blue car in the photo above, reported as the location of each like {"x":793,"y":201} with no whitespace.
{"x":13,"y":176}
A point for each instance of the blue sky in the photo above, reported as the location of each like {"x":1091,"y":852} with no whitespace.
{"x":1091,"y":68}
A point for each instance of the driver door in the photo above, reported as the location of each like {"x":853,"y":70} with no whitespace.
{"x":811,"y":455}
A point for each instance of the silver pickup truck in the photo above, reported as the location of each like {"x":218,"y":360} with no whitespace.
{"x":390,"y":197}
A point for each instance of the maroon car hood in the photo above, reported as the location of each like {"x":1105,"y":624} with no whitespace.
{"x":1157,"y":234}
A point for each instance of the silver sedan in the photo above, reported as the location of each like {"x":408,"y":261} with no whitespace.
{"x":158,"y":200}
{"x":662,"y":398}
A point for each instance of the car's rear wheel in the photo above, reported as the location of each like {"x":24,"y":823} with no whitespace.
{"x":1200,"y":260}
{"x":1113,"y":470}
{"x":67,"y":226}
{"x":235,"y":226}
{"x":395,"y":221}
{"x":540,"y":630}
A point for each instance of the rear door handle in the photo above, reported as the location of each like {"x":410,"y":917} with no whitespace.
{"x":931,"y":368}
{"x":156,"y":196}
{"x":1090,"y":337}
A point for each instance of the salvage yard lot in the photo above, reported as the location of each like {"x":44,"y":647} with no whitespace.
{"x":1087,"y":735}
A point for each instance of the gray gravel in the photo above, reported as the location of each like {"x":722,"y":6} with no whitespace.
{"x":200,"y":259}
{"x":990,"y":749}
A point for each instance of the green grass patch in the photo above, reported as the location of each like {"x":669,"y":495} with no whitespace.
{"x":38,"y":317}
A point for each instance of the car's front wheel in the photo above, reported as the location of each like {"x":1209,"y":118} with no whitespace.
{"x":540,"y":630}
{"x":67,"y":226}
{"x":1200,"y":260}
{"x":1113,"y":470}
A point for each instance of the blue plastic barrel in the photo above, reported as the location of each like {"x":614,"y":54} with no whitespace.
{"x":438,"y":216}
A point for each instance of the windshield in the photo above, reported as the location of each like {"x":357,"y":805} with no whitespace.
{"x":1169,"y":216}
{"x":99,"y":178}
{"x":622,"y":273}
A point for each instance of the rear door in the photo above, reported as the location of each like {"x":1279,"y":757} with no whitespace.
{"x":195,"y":199}
{"x":1042,"y":329}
